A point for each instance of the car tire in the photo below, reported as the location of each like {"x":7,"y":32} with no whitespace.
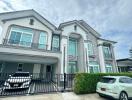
{"x":100,"y":95}
{"x":123,"y":96}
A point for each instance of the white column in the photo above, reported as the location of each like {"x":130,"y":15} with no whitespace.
{"x":101,"y":57}
{"x":64,"y":59}
{"x":36,"y":70}
{"x":114,"y":60}
{"x":86,"y":57}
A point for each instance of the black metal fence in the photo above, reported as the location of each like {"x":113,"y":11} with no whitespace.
{"x":20,"y":84}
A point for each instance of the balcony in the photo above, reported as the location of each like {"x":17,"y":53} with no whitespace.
{"x":28,"y":45}
{"x":27,"y":52}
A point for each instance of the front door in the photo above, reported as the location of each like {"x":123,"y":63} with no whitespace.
{"x":48,"y":72}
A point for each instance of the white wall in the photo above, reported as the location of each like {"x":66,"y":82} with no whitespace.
{"x":67,"y":30}
{"x":25,"y":23}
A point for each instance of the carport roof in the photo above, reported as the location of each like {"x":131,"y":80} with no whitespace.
{"x":125,"y":59}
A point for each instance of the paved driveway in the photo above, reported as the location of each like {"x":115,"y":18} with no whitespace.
{"x":57,"y":96}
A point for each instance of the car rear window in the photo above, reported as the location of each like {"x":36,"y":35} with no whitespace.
{"x":108,"y":80}
{"x":20,"y":75}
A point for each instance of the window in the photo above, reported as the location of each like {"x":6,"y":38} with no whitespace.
{"x":90,"y":49}
{"x":20,"y":67}
{"x":72,"y":68}
{"x":20,"y":36}
{"x":108,"y":80}
{"x":55,"y":43}
{"x":107,"y":53}
{"x":42,"y":41}
{"x":109,"y":68}
{"x":72,"y":47}
{"x":125,"y":80}
{"x":94,"y":67}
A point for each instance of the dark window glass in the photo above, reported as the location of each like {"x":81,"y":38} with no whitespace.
{"x":108,"y":80}
{"x":125,"y":80}
{"x":20,"y":67}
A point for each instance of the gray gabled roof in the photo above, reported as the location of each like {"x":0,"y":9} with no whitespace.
{"x":26,"y":13}
{"x":82,"y":24}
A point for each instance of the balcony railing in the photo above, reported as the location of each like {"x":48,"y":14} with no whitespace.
{"x":17,"y":43}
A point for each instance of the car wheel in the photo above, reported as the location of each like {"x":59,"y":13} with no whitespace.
{"x":123,"y":96}
{"x":100,"y":95}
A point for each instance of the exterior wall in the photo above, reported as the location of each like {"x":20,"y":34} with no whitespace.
{"x":103,"y":60}
{"x":25,"y":23}
{"x":82,"y":47}
{"x":61,"y":58}
{"x":94,"y":39}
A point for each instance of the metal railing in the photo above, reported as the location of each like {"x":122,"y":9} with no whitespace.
{"x":17,"y":43}
{"x":11,"y":84}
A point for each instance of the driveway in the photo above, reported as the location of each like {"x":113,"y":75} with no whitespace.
{"x":57,"y":96}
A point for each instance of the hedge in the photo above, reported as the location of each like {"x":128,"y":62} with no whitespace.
{"x":86,"y":83}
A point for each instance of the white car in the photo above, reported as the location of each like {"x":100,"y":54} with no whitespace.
{"x":18,"y":80}
{"x":117,"y":87}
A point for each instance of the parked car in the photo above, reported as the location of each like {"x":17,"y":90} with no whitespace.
{"x":117,"y":87}
{"x":18,"y":80}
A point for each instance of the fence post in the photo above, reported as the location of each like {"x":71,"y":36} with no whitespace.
{"x":64,"y":81}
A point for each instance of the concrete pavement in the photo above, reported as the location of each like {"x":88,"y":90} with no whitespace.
{"x":56,"y":96}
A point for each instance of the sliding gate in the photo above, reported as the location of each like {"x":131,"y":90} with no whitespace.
{"x":36,"y":83}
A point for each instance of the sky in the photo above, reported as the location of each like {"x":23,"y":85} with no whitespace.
{"x":111,"y":18}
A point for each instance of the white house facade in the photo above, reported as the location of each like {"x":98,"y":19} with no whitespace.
{"x":29,"y":42}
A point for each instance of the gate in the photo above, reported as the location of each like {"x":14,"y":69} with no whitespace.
{"x":35,"y":83}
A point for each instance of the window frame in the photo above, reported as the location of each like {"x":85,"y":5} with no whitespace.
{"x":90,"y":46}
{"x":93,"y":66}
{"x":71,"y":69}
{"x":19,"y":44}
{"x":46,"y":39}
{"x":76,"y":42}
{"x":109,"y":66}
{"x":109,"y":55}
{"x":53,"y":41}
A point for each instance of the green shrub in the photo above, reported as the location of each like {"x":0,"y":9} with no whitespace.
{"x":86,"y":83}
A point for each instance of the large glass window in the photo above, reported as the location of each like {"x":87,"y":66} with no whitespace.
{"x":107,"y":52}
{"x":55,"y":43}
{"x":94,"y":67}
{"x":20,"y":36}
{"x":72,"y":47}
{"x":42,"y":41}
{"x":72,"y":68}
{"x":109,"y":68}
{"x":90,"y":48}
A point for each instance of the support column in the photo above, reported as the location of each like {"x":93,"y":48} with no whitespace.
{"x":64,"y":59}
{"x":36,"y":70}
{"x":86,"y":57}
{"x":114,"y":61}
{"x":101,"y":57}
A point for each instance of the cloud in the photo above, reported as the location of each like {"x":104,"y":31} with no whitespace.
{"x":111,"y":18}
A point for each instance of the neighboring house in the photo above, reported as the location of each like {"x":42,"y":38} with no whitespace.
{"x":124,"y":65}
{"x":29,"y":42}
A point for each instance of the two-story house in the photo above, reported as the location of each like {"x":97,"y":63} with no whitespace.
{"x":29,"y":42}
